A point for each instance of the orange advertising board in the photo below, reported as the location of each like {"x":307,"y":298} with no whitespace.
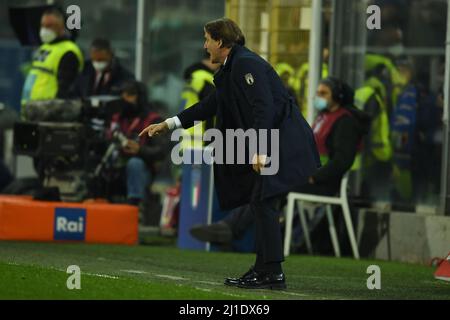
{"x":22,"y":218}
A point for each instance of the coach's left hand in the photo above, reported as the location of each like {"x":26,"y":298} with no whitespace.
{"x":258,"y":162}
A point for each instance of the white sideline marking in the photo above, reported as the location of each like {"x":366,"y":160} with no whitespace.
{"x":170,"y":277}
{"x":294,"y":294}
{"x":210,"y":283}
{"x":224,"y":293}
{"x":100,"y":275}
{"x":90,"y":274}
{"x":203,"y":289}
{"x":134,"y":271}
{"x":234,"y":295}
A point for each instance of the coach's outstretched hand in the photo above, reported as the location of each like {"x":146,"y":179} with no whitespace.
{"x":155,"y":129}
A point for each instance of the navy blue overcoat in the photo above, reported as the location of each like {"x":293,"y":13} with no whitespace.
{"x":250,"y":94}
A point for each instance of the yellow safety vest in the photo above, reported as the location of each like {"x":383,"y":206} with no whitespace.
{"x":190,"y":96}
{"x":379,"y":138}
{"x":398,"y":80}
{"x":300,"y":84}
{"x":42,"y":80}
{"x":283,"y":67}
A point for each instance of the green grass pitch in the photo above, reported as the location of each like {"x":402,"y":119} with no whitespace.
{"x":38,"y":271}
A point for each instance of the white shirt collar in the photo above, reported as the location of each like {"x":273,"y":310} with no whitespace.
{"x":226,"y":58}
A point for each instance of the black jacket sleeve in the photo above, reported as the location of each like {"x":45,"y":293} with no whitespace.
{"x":200,"y":111}
{"x":343,"y":144}
{"x":206,"y":90}
{"x":67,"y":73}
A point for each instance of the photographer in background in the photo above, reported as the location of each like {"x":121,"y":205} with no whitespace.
{"x":140,"y":158}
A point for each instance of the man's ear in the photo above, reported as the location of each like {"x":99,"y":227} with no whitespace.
{"x":220,"y":43}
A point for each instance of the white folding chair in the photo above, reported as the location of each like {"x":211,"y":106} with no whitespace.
{"x":298,"y":198}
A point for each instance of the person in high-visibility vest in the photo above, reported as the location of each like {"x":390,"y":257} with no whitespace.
{"x":377,"y":155}
{"x":287,"y":73}
{"x":299,"y":81}
{"x":371,"y":98}
{"x":300,"y":85}
{"x":198,"y":85}
{"x":56,"y":63}
{"x":393,"y":81}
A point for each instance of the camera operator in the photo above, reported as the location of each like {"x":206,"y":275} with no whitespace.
{"x":140,"y":158}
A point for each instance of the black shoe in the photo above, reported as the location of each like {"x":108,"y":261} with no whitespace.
{"x":219,"y":233}
{"x":250,"y":274}
{"x":264,"y":281}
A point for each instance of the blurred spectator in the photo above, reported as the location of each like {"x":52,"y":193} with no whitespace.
{"x":373,"y":97}
{"x":299,"y":82}
{"x":103,"y":74}
{"x":286,"y":73}
{"x":139,"y":159}
{"x":199,"y":83}
{"x":56,"y":63}
{"x":404,"y":136}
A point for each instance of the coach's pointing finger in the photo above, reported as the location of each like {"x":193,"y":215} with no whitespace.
{"x":155,"y":129}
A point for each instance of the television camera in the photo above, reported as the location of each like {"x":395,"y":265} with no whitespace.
{"x":66,"y":139}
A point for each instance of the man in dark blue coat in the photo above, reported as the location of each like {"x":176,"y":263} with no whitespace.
{"x":250,"y":95}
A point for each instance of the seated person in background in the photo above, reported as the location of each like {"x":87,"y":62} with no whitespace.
{"x":338,"y":131}
{"x":140,"y":158}
{"x":103,"y":74}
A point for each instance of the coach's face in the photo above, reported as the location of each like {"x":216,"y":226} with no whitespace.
{"x":213,"y":47}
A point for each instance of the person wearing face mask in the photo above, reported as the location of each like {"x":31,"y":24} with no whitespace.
{"x":338,"y":131}
{"x":140,"y":159}
{"x":103,"y":74}
{"x":56,"y":63}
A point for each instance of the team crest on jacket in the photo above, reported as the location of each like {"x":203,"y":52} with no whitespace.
{"x":249,"y":79}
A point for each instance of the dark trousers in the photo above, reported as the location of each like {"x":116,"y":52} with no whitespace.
{"x":269,"y":247}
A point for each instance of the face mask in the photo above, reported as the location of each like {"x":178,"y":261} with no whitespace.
{"x":47,"y":35}
{"x":100,"y":65}
{"x":320,"y":103}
